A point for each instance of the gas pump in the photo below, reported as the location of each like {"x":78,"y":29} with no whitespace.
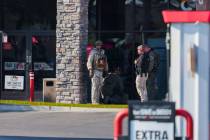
{"x":189,"y":66}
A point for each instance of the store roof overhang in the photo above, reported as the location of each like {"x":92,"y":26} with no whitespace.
{"x":186,"y":16}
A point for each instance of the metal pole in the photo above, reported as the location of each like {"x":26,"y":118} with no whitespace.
{"x":167,"y":60}
{"x":118,"y":123}
{"x":31,"y":76}
{"x":1,"y":39}
{"x":189,"y":120}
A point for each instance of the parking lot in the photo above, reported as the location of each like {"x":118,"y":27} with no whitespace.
{"x":48,"y":125}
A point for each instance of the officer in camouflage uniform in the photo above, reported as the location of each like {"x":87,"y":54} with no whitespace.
{"x":97,"y":64}
{"x":146,"y":69}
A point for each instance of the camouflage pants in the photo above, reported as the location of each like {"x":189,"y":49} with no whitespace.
{"x":97,"y":82}
{"x":141,"y":86}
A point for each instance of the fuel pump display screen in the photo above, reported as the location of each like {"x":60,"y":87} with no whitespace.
{"x":151,"y":120}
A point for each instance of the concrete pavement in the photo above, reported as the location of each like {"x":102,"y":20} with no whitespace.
{"x":24,"y":122}
{"x":50,"y":125}
{"x":47,"y":138}
{"x":6,"y":108}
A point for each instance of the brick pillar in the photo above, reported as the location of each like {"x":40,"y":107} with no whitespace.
{"x":72,"y":34}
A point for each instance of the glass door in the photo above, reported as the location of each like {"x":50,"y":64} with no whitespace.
{"x":43,"y":59}
{"x":27,"y":51}
{"x":14,"y":67}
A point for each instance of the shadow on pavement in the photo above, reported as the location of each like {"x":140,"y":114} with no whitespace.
{"x":46,"y":138}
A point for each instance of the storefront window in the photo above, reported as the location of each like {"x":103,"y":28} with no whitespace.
{"x":43,"y":58}
{"x":125,"y":17}
{"x":14,"y":49}
{"x":30,"y":27}
{"x":124,"y":24}
{"x":27,"y":14}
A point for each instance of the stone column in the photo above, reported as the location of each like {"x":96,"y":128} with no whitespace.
{"x":72,"y":34}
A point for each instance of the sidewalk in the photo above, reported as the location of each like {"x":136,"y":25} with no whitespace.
{"x":19,"y":108}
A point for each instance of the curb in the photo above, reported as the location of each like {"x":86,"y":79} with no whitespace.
{"x":19,"y":108}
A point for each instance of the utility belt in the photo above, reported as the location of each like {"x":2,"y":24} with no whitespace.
{"x":141,"y":71}
{"x":142,"y":74}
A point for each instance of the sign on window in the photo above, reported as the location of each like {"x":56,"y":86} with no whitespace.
{"x":14,"y":82}
{"x":10,"y":66}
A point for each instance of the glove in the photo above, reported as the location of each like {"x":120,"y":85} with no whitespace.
{"x":90,"y":73}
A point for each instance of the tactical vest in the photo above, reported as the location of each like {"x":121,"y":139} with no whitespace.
{"x":142,"y":65}
{"x":100,"y":61}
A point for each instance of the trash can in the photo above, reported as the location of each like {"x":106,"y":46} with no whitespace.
{"x":49,"y":89}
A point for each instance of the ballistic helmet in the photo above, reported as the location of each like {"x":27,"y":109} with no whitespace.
{"x":98,"y":43}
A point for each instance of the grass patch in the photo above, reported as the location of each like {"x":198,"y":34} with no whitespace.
{"x":17,"y":102}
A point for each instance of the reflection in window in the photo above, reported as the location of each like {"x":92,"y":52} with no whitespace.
{"x":43,"y":49}
{"x":43,"y":58}
{"x":124,"y":24}
{"x":27,"y":14}
{"x":39,"y":49}
{"x":14,"y":50}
